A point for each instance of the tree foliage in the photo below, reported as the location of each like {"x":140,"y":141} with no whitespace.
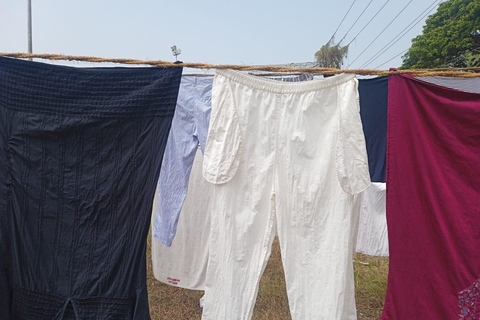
{"x":447,"y":39}
{"x":330,"y":55}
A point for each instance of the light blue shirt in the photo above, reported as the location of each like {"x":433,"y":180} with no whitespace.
{"x":189,"y":130}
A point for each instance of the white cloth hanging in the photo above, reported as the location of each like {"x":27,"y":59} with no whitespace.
{"x":372,"y":228}
{"x":290,"y":155}
{"x":184,"y":264}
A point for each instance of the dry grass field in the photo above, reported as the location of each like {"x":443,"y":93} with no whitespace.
{"x":171,"y":303}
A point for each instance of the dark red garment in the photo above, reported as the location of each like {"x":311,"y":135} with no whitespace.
{"x":433,"y":202}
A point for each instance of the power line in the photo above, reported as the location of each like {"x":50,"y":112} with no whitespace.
{"x":407,"y":32}
{"x":369,"y":22}
{"x":356,"y":20}
{"x":454,"y":59}
{"x":460,"y":56}
{"x":393,"y":58}
{"x":333,"y":35}
{"x":380,"y":33}
{"x":400,"y":35}
{"x":458,"y":15}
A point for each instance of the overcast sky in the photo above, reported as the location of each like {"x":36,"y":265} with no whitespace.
{"x":212,"y":31}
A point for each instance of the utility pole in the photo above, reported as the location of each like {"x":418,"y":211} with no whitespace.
{"x":30,"y":27}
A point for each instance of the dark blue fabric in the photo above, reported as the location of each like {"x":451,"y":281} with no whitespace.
{"x":373,"y":111}
{"x":80,"y":158}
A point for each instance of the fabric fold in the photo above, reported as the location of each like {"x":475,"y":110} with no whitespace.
{"x":221,"y":158}
{"x":351,"y":154}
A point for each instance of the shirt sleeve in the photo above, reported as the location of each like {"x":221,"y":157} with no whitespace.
{"x":222,"y":150}
{"x":351,"y":153}
{"x":176,"y":167}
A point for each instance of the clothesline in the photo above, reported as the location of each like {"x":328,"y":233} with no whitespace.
{"x":445,"y":72}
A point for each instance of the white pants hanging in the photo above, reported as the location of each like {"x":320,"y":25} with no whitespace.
{"x":289,"y":156}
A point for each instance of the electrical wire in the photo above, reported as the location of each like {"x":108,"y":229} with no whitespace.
{"x":400,"y":35}
{"x":406,"y":33}
{"x":369,"y":22}
{"x":454,"y":59}
{"x":356,"y":20}
{"x":380,"y":33}
{"x":333,"y":35}
{"x":459,"y":57}
{"x":393,"y":58}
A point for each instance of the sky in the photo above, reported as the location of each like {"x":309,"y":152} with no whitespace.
{"x":261,"y":32}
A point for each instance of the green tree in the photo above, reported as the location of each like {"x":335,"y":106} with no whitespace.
{"x":448,"y":37}
{"x":330,"y":55}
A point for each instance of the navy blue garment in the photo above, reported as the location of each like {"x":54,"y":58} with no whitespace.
{"x":373,"y":111}
{"x":80,"y":159}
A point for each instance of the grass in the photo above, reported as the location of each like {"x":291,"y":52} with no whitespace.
{"x":370,"y":285}
{"x":172,"y":303}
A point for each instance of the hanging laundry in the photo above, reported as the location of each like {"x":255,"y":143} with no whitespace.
{"x":372,"y":229}
{"x":373,"y":110}
{"x":184,"y":263}
{"x":290,"y":155}
{"x":5,"y":273}
{"x":432,"y":202}
{"x":189,"y":131}
{"x":292,"y":78}
{"x":463,"y":84}
{"x":81,"y":155}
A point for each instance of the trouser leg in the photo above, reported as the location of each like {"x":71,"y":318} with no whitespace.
{"x":317,"y":250}
{"x":239,"y":248}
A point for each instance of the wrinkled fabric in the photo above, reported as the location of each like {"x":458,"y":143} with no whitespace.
{"x":294,"y":78}
{"x":432,"y":201}
{"x":372,"y":228}
{"x":285,"y":157}
{"x":373,"y":111}
{"x":5,"y":282}
{"x":463,"y":84}
{"x":189,"y":131}
{"x":184,"y":264}
{"x":81,"y":155}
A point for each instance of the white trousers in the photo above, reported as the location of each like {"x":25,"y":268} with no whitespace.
{"x":184,"y":264}
{"x":372,"y":229}
{"x":285,"y":157}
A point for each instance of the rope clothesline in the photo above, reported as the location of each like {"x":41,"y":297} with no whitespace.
{"x":445,"y":72}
